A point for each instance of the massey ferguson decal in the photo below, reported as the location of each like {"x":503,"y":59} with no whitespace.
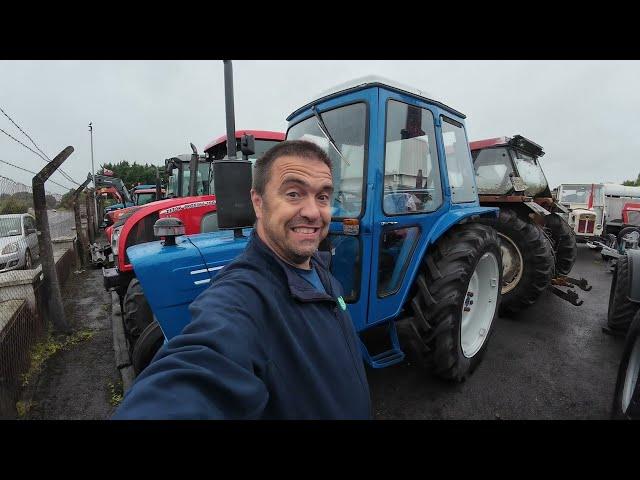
{"x":187,"y":206}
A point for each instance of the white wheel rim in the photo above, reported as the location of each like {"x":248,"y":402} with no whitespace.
{"x":479,"y":305}
{"x":631,"y":376}
{"x":512,"y":263}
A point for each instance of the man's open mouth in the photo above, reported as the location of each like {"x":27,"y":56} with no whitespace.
{"x":306,"y":230}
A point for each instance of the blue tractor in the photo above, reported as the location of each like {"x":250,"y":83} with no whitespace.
{"x":409,"y":240}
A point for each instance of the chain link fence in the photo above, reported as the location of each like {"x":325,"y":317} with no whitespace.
{"x":23,"y":316}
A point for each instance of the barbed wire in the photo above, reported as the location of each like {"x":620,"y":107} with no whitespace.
{"x":25,"y":133}
{"x":34,"y":173}
{"x":46,"y":160}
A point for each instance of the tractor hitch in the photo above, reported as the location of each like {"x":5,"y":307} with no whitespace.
{"x":569,"y":295}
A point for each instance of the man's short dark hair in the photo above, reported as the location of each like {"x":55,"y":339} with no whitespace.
{"x":288,"y":148}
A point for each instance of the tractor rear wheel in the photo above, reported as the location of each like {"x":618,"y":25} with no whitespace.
{"x":455,"y":301}
{"x":626,"y":400}
{"x":148,"y":344}
{"x":527,"y":261}
{"x":137,"y":312}
{"x":621,"y":309}
{"x":564,"y":243}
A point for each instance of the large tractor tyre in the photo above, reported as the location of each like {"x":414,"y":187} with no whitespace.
{"x":527,"y":261}
{"x":621,"y":309}
{"x":626,"y":399}
{"x":625,"y":231}
{"x":148,"y":344}
{"x":455,"y":301}
{"x":564,"y":243}
{"x":137,"y":313}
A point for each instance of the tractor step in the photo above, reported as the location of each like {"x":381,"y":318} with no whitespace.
{"x":387,"y":358}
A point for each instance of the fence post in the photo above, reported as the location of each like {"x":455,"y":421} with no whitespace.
{"x":50,"y":282}
{"x":89,"y":209}
{"x":82,"y":239}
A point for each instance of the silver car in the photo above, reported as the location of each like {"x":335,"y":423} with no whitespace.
{"x":18,"y":242}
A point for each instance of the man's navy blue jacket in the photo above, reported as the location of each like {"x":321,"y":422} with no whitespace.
{"x":262,"y":343}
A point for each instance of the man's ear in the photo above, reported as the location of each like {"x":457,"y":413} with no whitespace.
{"x":256,"y":199}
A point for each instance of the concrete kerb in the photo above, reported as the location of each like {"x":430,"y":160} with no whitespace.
{"x":120,"y":345}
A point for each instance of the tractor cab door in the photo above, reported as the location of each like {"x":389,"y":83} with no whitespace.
{"x":406,"y":199}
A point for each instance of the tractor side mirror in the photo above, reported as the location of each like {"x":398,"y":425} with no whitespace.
{"x":247,"y":145}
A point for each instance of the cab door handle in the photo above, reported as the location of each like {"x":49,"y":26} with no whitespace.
{"x":384,"y":224}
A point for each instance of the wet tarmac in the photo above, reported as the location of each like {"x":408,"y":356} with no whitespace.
{"x":552,"y":361}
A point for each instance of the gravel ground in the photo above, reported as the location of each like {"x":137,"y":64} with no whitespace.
{"x":551,"y":362}
{"x":76,"y":384}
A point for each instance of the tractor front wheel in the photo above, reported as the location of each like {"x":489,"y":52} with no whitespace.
{"x":626,"y":400}
{"x":137,"y":312}
{"x":148,"y":344}
{"x":455,"y":301}
{"x":527,"y":260}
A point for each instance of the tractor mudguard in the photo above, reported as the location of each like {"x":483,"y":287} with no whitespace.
{"x":634,"y":274}
{"x":537,"y":208}
{"x":454,"y":217}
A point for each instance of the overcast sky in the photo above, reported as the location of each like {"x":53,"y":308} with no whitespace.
{"x":583,"y":113}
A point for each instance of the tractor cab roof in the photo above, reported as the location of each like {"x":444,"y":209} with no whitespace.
{"x":183,"y":158}
{"x":258,"y":134}
{"x":372,"y":81}
{"x":517,"y":141}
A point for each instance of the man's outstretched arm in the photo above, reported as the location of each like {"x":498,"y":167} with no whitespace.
{"x":206,"y":372}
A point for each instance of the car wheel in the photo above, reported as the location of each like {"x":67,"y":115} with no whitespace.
{"x":28,"y":261}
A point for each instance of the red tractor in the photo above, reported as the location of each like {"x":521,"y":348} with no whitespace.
{"x":538,"y":245}
{"x":196,"y":212}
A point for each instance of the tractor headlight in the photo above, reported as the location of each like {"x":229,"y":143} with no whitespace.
{"x":115,"y":239}
{"x":11,"y":248}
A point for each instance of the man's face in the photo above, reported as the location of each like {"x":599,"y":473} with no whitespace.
{"x":295,"y":211}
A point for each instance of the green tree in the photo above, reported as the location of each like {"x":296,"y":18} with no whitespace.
{"x":13,"y":205}
{"x":632,"y":183}
{"x":66,"y":202}
{"x":51,"y":201}
{"x":134,"y":173}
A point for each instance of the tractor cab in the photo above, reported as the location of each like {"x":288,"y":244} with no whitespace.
{"x":179,"y":175}
{"x":402,"y":173}
{"x":143,"y":194}
{"x":509,"y":165}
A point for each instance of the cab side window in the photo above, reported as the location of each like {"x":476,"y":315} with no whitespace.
{"x":459,"y":164}
{"x":411,"y":173}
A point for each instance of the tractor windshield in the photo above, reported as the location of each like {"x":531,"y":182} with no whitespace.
{"x":347,"y":127}
{"x":530,"y":172}
{"x":493,"y":171}
{"x":202,"y":184}
{"x":144,"y":198}
{"x":575,"y":194}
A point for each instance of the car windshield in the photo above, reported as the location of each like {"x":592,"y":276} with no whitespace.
{"x":10,"y":227}
{"x":347,"y":126}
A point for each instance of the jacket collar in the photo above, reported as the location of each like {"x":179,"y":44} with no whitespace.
{"x":299,"y":288}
